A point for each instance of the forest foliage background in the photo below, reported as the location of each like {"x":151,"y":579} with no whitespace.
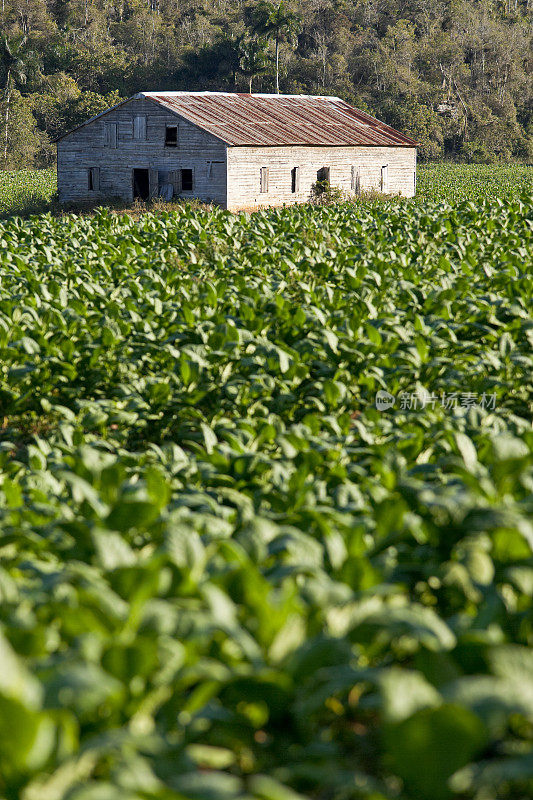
{"x":454,"y":74}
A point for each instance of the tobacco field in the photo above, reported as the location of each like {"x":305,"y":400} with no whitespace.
{"x":474,"y":182}
{"x":34,"y":191}
{"x":225,"y":573}
{"x":26,"y":190}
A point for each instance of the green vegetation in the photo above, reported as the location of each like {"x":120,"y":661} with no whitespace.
{"x":26,"y":191}
{"x":224,"y":573}
{"x":455,"y":75}
{"x":475,"y":182}
{"x":32,"y":191}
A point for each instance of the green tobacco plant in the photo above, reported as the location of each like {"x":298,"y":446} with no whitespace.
{"x":230,"y":569}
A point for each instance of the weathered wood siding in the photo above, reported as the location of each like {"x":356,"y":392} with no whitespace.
{"x":86,"y":147}
{"x":245,"y":163}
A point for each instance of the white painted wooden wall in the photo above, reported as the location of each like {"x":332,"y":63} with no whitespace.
{"x":349,"y":167}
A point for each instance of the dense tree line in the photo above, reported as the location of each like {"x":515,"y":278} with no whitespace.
{"x":455,"y":74}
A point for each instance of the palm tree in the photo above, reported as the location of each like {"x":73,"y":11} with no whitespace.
{"x":275,"y":21}
{"x":14,"y":66}
{"x":252,"y":58}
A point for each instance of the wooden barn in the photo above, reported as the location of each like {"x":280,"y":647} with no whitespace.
{"x":240,"y":151}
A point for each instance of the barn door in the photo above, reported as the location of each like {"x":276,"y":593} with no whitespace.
{"x":141,"y":184}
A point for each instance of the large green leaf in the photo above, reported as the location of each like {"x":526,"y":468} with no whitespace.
{"x":428,"y":747}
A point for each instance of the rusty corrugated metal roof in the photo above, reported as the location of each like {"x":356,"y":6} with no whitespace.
{"x":270,"y":120}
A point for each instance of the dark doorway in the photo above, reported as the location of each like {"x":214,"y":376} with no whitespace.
{"x":141,"y":184}
{"x":186,"y":180}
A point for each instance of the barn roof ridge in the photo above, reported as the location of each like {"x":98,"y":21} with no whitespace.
{"x":205,"y":93}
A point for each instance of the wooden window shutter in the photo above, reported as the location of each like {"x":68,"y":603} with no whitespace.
{"x":153,"y":183}
{"x":295,"y":179}
{"x":110,"y":134}
{"x":356,"y":179}
{"x":139,"y":127}
{"x":175,"y":177}
{"x":385,"y":178}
